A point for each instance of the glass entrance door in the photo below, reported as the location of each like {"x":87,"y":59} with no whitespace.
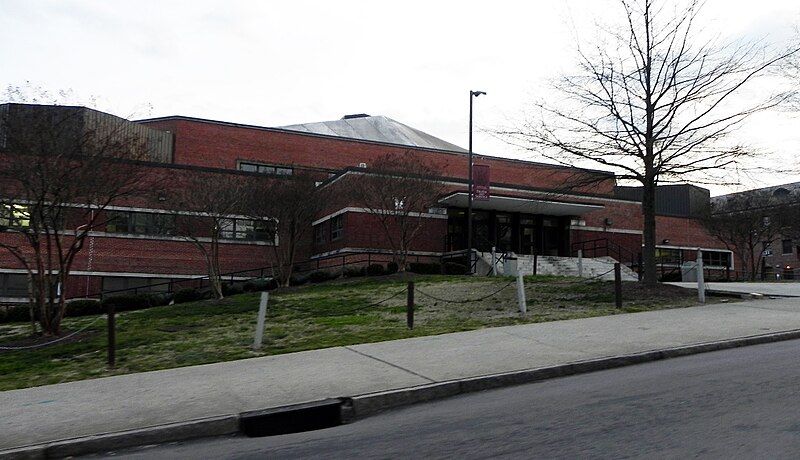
{"x":551,"y":236}
{"x":503,"y":232}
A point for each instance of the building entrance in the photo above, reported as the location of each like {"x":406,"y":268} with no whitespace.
{"x":509,"y":232}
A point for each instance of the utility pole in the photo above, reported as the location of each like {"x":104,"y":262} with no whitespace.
{"x":472,"y":94}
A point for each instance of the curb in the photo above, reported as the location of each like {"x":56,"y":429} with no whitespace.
{"x":357,"y":407}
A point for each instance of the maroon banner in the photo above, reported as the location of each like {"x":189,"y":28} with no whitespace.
{"x":480,"y":182}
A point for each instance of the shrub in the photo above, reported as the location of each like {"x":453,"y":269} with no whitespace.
{"x":375,"y":270}
{"x":320,"y":276}
{"x":187,"y":295}
{"x":15,"y":313}
{"x":425,"y":268}
{"x":260,"y":284}
{"x":353,"y":272}
{"x":392,"y":267}
{"x":232,"y":289}
{"x":84,"y":307}
{"x":129,"y":302}
{"x":298,"y":280}
{"x":453,"y":268}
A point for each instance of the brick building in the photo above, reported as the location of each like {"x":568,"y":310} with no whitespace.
{"x":533,"y":208}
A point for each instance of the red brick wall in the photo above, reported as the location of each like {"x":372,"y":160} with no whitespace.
{"x":211,"y":144}
{"x":363,"y":230}
{"x":110,"y":254}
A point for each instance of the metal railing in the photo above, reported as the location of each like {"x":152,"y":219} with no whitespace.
{"x":603,"y":247}
{"x":337,"y":262}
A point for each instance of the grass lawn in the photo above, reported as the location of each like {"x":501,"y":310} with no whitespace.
{"x":310,"y":317}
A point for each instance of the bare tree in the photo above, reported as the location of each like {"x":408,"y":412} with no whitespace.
{"x":289,"y":205}
{"x":212,"y":207}
{"x":61,"y":168}
{"x":397,"y":190}
{"x":654,"y":102}
{"x":747,"y":223}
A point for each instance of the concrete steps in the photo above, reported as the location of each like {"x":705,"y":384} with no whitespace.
{"x":600,"y":267}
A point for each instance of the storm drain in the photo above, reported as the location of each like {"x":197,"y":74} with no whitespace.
{"x":291,"y":419}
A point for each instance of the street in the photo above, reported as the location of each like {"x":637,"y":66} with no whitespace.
{"x":740,"y":403}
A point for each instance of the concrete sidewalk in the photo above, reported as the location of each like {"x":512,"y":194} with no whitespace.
{"x":54,"y":412}
{"x":783,"y":289}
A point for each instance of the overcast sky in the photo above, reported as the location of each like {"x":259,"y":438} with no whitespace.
{"x":280,"y":63}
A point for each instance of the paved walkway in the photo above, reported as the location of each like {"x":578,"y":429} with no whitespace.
{"x":117,"y":403}
{"x":785,"y":289}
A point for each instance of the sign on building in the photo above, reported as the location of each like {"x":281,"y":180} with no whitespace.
{"x":480,"y":182}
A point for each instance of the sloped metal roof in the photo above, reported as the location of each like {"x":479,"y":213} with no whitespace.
{"x":377,"y":129}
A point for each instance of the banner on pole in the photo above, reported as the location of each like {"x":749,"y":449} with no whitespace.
{"x":480,"y":182}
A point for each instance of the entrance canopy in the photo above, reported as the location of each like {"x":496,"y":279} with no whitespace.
{"x":521,"y":205}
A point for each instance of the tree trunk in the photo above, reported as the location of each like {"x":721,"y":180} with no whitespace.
{"x":649,"y":248}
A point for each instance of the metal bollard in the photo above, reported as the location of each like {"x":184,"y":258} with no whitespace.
{"x":262,"y":315}
{"x":523,"y":307}
{"x":410,"y":306}
{"x":701,"y":282}
{"x":112,"y":335}
{"x":618,"y":284}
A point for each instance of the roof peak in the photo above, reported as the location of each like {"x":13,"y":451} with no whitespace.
{"x":378,"y":128}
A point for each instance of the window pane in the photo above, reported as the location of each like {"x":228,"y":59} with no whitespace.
{"x":263,"y":231}
{"x":226,"y":228}
{"x":118,"y":222}
{"x":14,"y":216}
{"x":15,"y":286}
{"x":283,"y":171}
{"x":244,"y":229}
{"x":266,"y":169}
{"x":249,"y":167}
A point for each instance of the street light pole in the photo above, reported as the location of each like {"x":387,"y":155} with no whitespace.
{"x":472,"y":94}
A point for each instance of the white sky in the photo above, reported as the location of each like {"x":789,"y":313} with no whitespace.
{"x":280,"y":63}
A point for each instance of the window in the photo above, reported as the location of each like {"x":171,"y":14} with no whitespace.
{"x":247,"y":229}
{"x":140,"y":223}
{"x":319,"y":234}
{"x":13,"y":285}
{"x":668,"y":256}
{"x":265,"y":169}
{"x":14,"y":216}
{"x":337,"y":227}
{"x":716,"y":259}
{"x":786,"y":246}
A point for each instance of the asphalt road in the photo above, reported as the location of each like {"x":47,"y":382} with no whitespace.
{"x":740,"y":403}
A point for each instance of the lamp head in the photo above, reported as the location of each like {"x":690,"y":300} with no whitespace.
{"x":477,"y":93}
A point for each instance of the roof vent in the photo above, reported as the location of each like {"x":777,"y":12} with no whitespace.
{"x":355,"y":115}
{"x":362,"y":165}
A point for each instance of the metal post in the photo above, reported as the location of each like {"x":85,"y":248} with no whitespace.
{"x":701,"y":284}
{"x":494,"y":261}
{"x":469,"y":188}
{"x":112,"y":335}
{"x":410,"y":305}
{"x":618,"y":284}
{"x":535,"y":262}
{"x":523,"y":307}
{"x":580,"y":263}
{"x":262,"y":315}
